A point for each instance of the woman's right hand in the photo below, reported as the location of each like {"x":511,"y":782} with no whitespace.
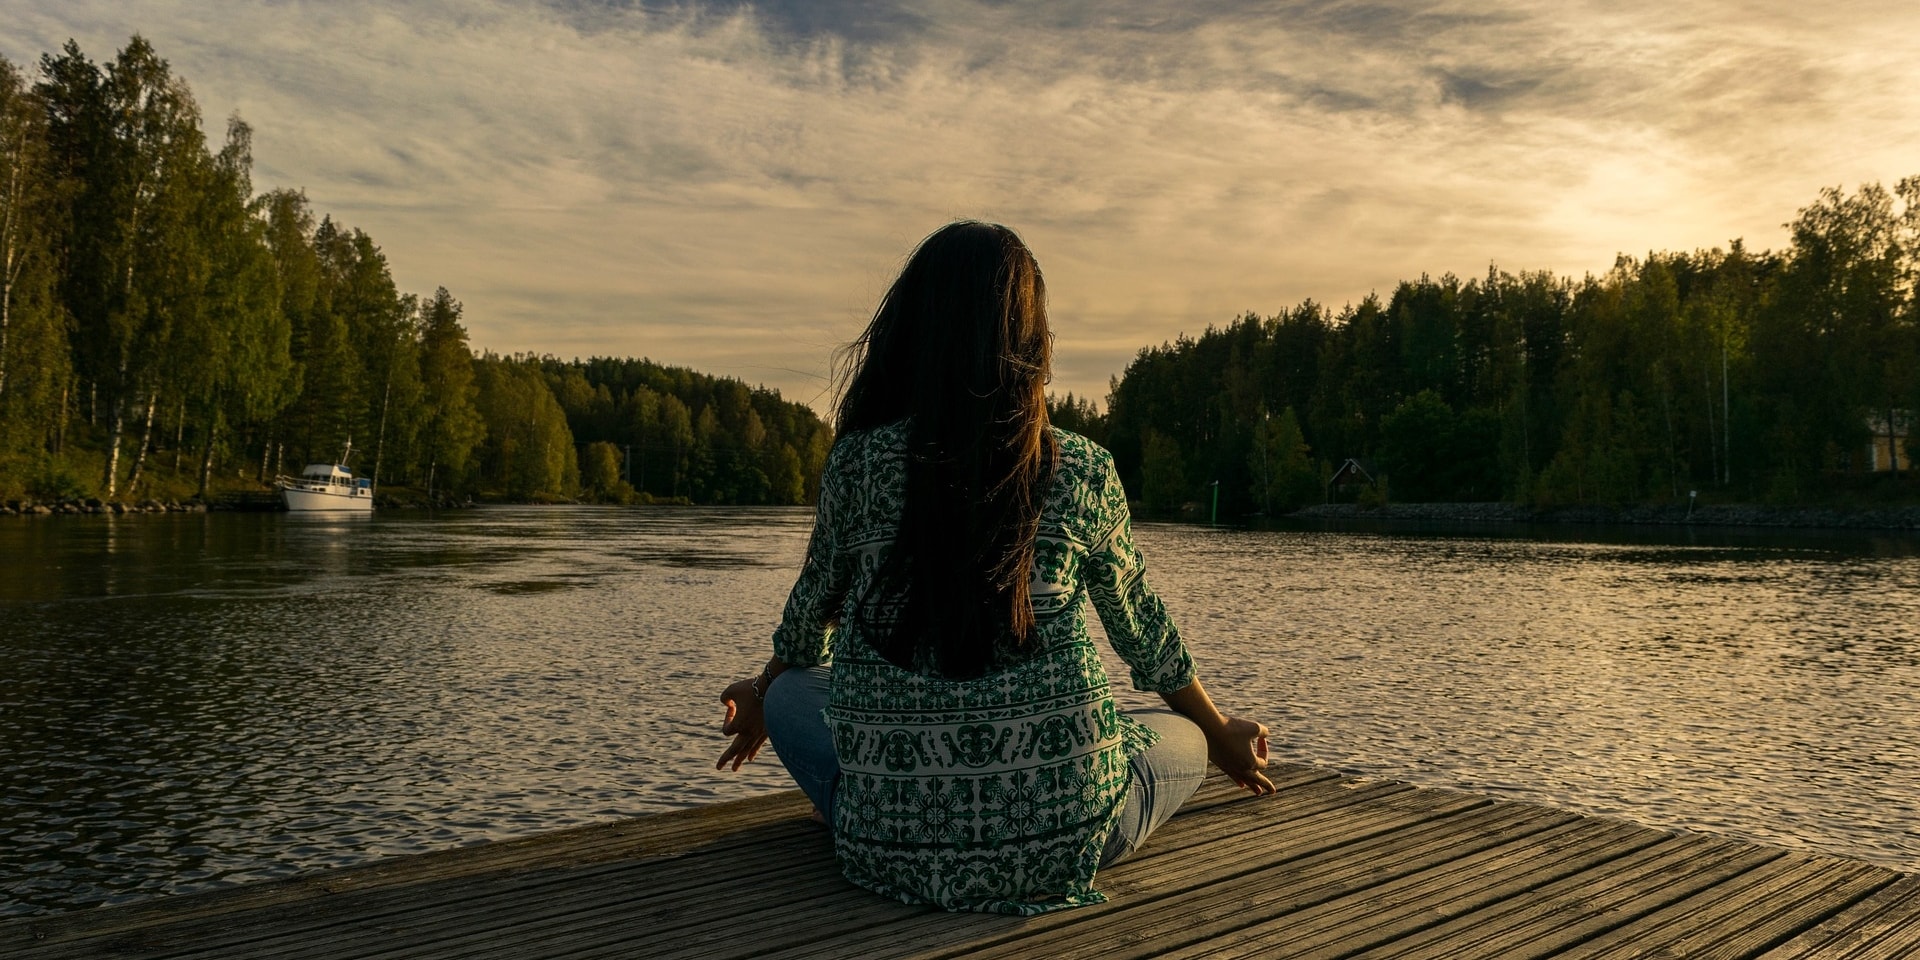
{"x":745,"y":721}
{"x":1239,"y":749}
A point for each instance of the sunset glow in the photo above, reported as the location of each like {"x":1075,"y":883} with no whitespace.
{"x":728,"y":187}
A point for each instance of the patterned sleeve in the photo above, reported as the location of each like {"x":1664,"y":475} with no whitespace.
{"x":1116,"y":575}
{"x":805,"y":635}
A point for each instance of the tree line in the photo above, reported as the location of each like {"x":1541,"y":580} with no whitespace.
{"x":621,"y":430}
{"x":164,"y":329}
{"x":1729,"y":374}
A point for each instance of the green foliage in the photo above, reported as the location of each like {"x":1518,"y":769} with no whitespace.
{"x":53,"y":478}
{"x":1742,"y":375}
{"x":601,"y":468}
{"x":1429,"y":453}
{"x":688,"y":434}
{"x":34,"y":365}
{"x":449,"y":417}
{"x":1164,"y":486}
{"x":1284,"y":478}
{"x":528,"y":453}
{"x":128,"y":166}
{"x":788,"y":477}
{"x":1416,"y":445}
{"x":1374,"y":495}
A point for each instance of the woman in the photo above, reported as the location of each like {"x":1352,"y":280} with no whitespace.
{"x":932,"y":687}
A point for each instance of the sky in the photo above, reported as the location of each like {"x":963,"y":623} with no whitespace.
{"x":731,"y":186}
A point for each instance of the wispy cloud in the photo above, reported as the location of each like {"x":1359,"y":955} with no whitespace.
{"x":730,"y":186}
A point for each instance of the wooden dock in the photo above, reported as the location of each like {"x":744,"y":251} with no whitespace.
{"x":1329,"y":867}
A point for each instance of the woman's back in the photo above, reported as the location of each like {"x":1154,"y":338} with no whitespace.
{"x":996,"y":792}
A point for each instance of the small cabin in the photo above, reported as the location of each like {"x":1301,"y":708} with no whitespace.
{"x":1348,"y":480}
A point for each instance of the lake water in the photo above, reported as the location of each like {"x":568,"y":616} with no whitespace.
{"x":190,"y":701}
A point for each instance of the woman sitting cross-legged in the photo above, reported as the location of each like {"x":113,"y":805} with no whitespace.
{"x":933,"y":688}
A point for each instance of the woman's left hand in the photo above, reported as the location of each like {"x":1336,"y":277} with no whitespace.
{"x":746,"y":721}
{"x":1239,"y":749}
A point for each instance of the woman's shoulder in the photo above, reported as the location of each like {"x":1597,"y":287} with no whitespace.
{"x":870,"y":442}
{"x":1082,"y":462}
{"x":1081,"y":457}
{"x":1083,"y":477}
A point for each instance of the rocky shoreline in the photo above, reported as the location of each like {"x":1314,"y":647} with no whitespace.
{"x":247,"y":503}
{"x":1730,"y":515}
{"x":44,"y":508}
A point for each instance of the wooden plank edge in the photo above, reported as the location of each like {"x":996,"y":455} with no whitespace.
{"x":652,"y":834}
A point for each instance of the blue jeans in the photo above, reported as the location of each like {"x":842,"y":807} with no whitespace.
{"x":795,"y":701}
{"x":1163,"y":777}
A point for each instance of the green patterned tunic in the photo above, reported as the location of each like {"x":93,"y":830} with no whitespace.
{"x":997,"y":793}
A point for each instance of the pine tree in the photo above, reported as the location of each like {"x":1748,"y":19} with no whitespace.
{"x":450,"y":425}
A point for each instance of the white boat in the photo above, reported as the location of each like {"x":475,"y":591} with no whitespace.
{"x":329,"y":487}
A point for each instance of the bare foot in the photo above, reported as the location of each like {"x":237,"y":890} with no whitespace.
{"x":817,"y":817}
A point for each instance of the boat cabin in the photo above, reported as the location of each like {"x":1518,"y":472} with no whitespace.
{"x":332,"y":475}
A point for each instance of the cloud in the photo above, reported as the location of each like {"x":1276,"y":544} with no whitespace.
{"x":730,"y":186}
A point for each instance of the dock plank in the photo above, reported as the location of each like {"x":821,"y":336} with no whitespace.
{"x":1330,"y":866}
{"x":1572,"y":910}
{"x":1380,"y":914}
{"x":407,"y":877}
{"x":1766,"y":904}
{"x":1285,"y":880}
{"x":1883,"y":926}
{"x":1195,"y":882}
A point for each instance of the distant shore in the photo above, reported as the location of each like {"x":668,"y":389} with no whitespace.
{"x":262,"y":502}
{"x":1728,"y":515}
{"x":1903,"y":518}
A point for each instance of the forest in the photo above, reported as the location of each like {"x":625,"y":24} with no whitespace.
{"x":1726,"y":375}
{"x":165,"y":332}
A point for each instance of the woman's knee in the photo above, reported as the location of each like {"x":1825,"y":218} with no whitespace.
{"x":794,"y":704}
{"x":797,"y":694}
{"x":793,"y":710}
{"x":1182,"y":750}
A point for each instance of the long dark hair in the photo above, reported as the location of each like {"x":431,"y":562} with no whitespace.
{"x":958,"y":348}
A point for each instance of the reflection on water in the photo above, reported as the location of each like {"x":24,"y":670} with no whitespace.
{"x":1760,"y":687}
{"x":189,"y":701}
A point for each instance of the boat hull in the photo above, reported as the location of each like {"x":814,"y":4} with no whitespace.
{"x":320,"y":501}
